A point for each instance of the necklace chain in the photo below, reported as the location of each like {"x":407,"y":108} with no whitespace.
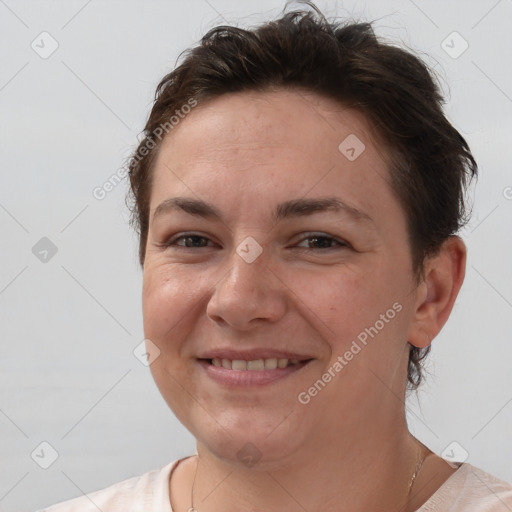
{"x":192,"y":509}
{"x":419,"y":464}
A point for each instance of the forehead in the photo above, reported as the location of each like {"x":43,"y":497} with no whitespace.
{"x":276,"y":144}
{"x":261,"y":121}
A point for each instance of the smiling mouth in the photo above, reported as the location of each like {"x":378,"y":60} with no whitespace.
{"x":255,"y":364}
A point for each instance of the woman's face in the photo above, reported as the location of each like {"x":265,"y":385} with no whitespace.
{"x":251,"y":263}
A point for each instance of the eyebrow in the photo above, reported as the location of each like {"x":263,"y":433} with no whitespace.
{"x":294,"y":208}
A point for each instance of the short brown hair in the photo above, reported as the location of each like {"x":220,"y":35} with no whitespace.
{"x":430,"y":162}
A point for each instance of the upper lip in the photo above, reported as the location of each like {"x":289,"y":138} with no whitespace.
{"x":252,"y":355}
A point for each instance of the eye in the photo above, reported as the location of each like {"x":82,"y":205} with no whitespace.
{"x":190,"y":241}
{"x":318,"y":241}
{"x":323,"y":242}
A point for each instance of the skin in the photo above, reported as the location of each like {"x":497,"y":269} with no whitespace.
{"x":349,"y":448}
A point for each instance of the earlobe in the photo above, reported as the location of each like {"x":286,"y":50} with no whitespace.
{"x":436,"y":294}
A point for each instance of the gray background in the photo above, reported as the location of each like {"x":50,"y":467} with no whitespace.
{"x":69,"y":326}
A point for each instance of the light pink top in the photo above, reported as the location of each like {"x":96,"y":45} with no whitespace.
{"x":469,"y":489}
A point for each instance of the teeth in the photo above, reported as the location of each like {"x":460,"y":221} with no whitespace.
{"x":256,"y":364}
{"x":238,"y":364}
{"x":270,"y":364}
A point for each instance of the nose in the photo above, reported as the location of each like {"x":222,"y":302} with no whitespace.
{"x":248,"y":295}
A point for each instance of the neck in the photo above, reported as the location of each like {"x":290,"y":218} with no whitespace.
{"x":367,"y":471}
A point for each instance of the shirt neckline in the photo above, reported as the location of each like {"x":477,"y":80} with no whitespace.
{"x":173,"y":465}
{"x":447,"y":484}
{"x":166,"y":497}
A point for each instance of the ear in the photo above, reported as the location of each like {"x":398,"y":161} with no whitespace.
{"x":436,"y":294}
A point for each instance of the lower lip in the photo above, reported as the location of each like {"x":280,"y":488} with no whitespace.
{"x":248,"y":378}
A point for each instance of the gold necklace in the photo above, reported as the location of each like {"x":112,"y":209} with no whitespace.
{"x":419,"y":464}
{"x":192,"y":509}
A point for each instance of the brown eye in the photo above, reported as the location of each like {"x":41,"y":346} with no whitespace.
{"x":189,"y":241}
{"x":323,"y":242}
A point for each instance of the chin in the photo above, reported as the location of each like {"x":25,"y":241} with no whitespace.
{"x":260,"y":444}
{"x":260,"y":455}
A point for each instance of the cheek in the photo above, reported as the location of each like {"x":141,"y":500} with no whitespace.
{"x":168,"y":299}
{"x":356,"y":303}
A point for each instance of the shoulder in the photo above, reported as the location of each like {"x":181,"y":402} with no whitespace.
{"x":136,"y":493}
{"x":471,"y":489}
{"x":495,"y":495}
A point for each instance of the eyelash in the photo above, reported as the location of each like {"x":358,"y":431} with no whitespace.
{"x":341,"y":245}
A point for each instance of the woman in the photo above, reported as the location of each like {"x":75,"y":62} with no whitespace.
{"x":297,"y":196}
